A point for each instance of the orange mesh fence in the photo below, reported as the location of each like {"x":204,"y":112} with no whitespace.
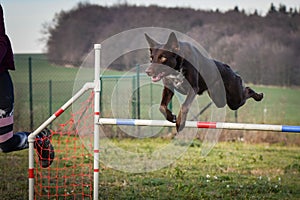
{"x":70,"y":176}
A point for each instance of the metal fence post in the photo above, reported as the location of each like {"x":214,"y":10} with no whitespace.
{"x":151,"y":98}
{"x":30,"y":93}
{"x":138,"y":92}
{"x":133,"y":100}
{"x":50,"y":99}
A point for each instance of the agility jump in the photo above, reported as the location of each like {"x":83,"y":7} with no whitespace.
{"x":95,"y":86}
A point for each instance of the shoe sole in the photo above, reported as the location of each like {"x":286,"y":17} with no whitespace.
{"x":45,"y":149}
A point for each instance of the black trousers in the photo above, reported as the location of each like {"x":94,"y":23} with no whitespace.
{"x":9,"y":141}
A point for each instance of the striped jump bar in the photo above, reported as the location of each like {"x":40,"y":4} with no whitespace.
{"x":195,"y":124}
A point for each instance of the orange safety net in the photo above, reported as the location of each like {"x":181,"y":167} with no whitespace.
{"x":70,"y":176}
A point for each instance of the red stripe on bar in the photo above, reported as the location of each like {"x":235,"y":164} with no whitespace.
{"x":96,"y":151}
{"x":97,"y":113}
{"x":206,"y":124}
{"x":31,"y":173}
{"x":96,"y":170}
{"x":57,"y":113}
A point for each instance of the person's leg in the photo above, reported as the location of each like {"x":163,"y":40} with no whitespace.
{"x":13,"y":142}
{"x":17,"y":142}
{"x":9,"y":141}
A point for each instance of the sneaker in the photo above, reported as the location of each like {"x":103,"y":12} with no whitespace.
{"x":44,"y":148}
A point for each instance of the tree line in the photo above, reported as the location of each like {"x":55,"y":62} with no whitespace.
{"x":263,"y":49}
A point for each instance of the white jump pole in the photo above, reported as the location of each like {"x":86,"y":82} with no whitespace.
{"x":97,"y":48}
{"x":196,"y":124}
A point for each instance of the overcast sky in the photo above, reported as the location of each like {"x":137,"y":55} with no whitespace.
{"x":24,"y":18}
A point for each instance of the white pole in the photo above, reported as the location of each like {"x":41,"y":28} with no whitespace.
{"x":97,"y":48}
{"x":31,"y":170}
{"x":196,"y":124}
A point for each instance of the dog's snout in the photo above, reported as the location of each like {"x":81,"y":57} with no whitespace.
{"x":148,"y":71}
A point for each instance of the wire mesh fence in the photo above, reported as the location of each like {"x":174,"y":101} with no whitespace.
{"x":53,"y":85}
{"x":41,"y":88}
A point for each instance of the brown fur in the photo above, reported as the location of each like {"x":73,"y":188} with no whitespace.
{"x":169,"y":63}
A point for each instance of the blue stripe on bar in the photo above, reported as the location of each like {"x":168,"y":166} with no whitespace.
{"x":125,"y":122}
{"x":295,"y":129}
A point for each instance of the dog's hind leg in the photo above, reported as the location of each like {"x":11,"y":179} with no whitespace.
{"x":235,"y":103}
{"x":249,"y":93}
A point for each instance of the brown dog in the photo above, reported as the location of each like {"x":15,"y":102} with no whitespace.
{"x":183,"y":68}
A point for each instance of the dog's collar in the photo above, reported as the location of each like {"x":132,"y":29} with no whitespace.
{"x":179,"y":62}
{"x":176,"y":79}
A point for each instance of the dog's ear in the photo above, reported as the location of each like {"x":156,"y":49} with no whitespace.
{"x":172,"y":43}
{"x":152,"y":43}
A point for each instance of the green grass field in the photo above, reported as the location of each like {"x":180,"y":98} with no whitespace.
{"x":253,"y":169}
{"x":230,"y":171}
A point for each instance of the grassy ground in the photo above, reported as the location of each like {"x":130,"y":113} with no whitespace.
{"x":14,"y":174}
{"x":230,"y":171}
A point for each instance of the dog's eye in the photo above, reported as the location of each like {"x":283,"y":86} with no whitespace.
{"x":163,"y":59}
{"x":151,"y":58}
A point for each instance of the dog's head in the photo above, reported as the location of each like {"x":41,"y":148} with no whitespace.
{"x":164,"y":58}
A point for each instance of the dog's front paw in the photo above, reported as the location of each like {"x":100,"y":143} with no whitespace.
{"x":180,"y":124}
{"x":171,"y":118}
{"x":174,"y":119}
